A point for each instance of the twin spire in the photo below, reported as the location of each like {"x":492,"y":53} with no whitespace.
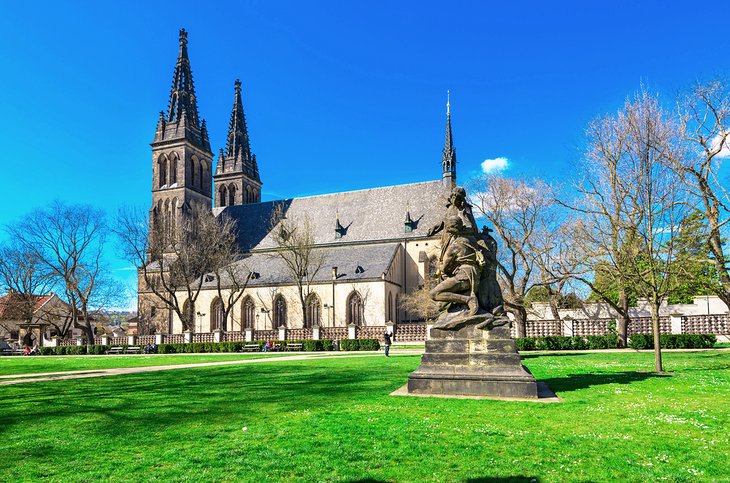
{"x":181,"y":120}
{"x":237,"y":156}
{"x":448,"y":157}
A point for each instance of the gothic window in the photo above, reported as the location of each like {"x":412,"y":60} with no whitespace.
{"x":390,"y":307}
{"x":223,"y":196}
{"x":162,"y":171}
{"x":201,"y":171}
{"x":216,"y":315}
{"x":232,"y":195}
{"x":279,"y":311}
{"x":173,"y":216}
{"x":173,"y":169}
{"x":355,"y":309}
{"x":167,"y":218}
{"x":313,"y":311}
{"x":248,"y":313}
{"x":249,"y":198}
{"x":193,"y":163}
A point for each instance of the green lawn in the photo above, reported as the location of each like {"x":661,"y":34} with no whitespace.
{"x":37,"y":364}
{"x":332,"y":419}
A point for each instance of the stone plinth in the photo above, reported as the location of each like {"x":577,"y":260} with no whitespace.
{"x":473,"y":362}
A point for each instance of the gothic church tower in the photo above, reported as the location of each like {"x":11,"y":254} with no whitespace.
{"x":236,"y":179}
{"x":181,"y":157}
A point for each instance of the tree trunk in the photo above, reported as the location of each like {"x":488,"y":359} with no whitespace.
{"x":655,"y":328}
{"x":622,"y":320}
{"x":553,"y":300}
{"x":520,"y":320}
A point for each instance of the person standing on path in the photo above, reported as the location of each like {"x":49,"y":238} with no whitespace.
{"x":386,"y":343}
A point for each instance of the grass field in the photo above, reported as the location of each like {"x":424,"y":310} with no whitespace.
{"x":332,"y":419}
{"x":36,"y":364}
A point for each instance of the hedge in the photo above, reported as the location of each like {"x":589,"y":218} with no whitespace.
{"x":673,"y":341}
{"x":567,"y":343}
{"x":359,"y":345}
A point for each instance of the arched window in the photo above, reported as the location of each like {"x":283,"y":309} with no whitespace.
{"x":173,"y":216}
{"x":355,"y":309}
{"x":162,"y":171}
{"x":193,"y":166}
{"x":248,"y":314}
{"x":390,"y":307}
{"x":231,"y":195}
{"x":188,"y":315}
{"x":216,"y":315}
{"x":314,"y":308}
{"x":279,"y":311}
{"x":173,"y":169}
{"x":222,"y":198}
{"x":249,"y":198}
{"x":167,"y":219}
{"x":201,"y":174}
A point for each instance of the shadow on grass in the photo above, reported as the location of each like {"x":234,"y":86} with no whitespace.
{"x":574,"y":382}
{"x":504,"y":479}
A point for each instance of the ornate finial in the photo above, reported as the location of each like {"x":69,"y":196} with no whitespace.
{"x":183,"y":36}
{"x":448,"y":102}
{"x":238,"y":85}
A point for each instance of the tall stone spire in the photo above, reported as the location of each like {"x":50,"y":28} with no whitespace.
{"x":238,"y":146}
{"x":181,"y":120}
{"x":182,"y":95}
{"x":236,"y":180}
{"x":448,"y":157}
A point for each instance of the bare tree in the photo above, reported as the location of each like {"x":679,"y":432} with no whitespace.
{"x":69,"y":241}
{"x":173,"y":261}
{"x":295,"y":247}
{"x":705,"y":122}
{"x":631,"y":207}
{"x":23,"y":278}
{"x":230,"y":273}
{"x":522,"y":214}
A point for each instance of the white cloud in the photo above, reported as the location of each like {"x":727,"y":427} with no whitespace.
{"x":725,"y":151}
{"x":495,"y":165}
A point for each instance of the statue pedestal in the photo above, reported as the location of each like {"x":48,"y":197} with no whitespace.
{"x":473,"y":362}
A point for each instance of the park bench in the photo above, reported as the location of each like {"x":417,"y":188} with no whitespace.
{"x":122,"y":350}
{"x":251,"y":348}
{"x":12,"y":352}
{"x":294,"y":347}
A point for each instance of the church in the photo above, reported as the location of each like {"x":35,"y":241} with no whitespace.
{"x":374,"y":243}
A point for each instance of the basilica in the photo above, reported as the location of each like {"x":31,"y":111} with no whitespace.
{"x":374,"y":243}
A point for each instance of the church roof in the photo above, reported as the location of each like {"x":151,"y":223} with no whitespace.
{"x":371,"y":215}
{"x":353,"y":262}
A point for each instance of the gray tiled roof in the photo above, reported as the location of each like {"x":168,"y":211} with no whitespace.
{"x":368,"y":215}
{"x":374,"y":260}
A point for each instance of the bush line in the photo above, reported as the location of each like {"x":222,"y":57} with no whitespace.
{"x":209,"y":347}
{"x":636,"y":341}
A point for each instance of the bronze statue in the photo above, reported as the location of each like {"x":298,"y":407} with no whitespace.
{"x":467,"y":271}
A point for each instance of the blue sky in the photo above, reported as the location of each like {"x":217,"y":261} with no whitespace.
{"x":338,"y":95}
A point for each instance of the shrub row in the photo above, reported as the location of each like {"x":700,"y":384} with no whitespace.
{"x":206,"y":347}
{"x":359,"y":345}
{"x":567,"y":343}
{"x":673,"y":341}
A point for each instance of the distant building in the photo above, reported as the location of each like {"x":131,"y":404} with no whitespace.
{"x":374,"y":241}
{"x":49,"y":314}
